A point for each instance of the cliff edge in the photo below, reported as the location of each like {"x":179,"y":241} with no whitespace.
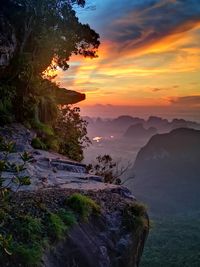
{"x":66,"y":217}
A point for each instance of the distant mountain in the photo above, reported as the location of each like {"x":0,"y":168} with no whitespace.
{"x":167,"y":171}
{"x":121,"y":125}
{"x":126,"y":121}
{"x":158,"y":122}
{"x":138,"y":131}
{"x":116,"y":127}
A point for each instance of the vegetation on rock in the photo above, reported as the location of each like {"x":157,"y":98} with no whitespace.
{"x":18,"y":179}
{"x":47,"y":33}
{"x":82,"y":205}
{"x":134,"y":217}
{"x":27,"y":230}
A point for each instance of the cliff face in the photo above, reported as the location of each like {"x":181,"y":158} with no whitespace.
{"x":103,"y":241}
{"x":8,"y":42}
{"x":113,"y":237}
{"x":167,"y":171}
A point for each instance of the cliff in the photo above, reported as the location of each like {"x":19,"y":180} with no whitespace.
{"x":66,"y":217}
{"x":167,"y":171}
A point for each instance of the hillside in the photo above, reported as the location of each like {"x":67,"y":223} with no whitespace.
{"x":167,"y":171}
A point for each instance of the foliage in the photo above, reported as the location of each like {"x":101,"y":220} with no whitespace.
{"x":67,"y":217}
{"x":7,"y":94}
{"x":134,"y":217}
{"x":28,"y":229}
{"x":71,"y":130}
{"x":173,"y":241}
{"x":82,"y":205}
{"x":47,"y":34}
{"x":38,"y":144}
{"x":107,"y":168}
{"x":56,"y":226}
{"x":28,"y":255}
{"x":67,"y":136}
{"x":18,"y":179}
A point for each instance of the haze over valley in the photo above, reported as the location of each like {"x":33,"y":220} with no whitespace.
{"x":164,"y":173}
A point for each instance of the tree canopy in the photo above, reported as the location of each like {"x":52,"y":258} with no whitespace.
{"x":48,"y":29}
{"x":37,"y":34}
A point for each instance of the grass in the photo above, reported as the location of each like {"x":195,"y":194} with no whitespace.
{"x":26,"y":232}
{"x":82,"y":205}
{"x":55,"y":226}
{"x":134,"y":217}
{"x":67,"y":217}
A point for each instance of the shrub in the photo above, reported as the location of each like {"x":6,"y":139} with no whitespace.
{"x":7,"y":94}
{"x":82,"y":205}
{"x":134,"y":217}
{"x":67,"y":217}
{"x":28,"y":255}
{"x":56,"y":226}
{"x":110,"y":170}
{"x":71,"y":131}
{"x":38,"y":144}
{"x":27,"y":236}
{"x":28,"y":228}
{"x":42,"y":128}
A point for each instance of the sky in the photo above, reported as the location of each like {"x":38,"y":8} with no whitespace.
{"x":148,"y":61}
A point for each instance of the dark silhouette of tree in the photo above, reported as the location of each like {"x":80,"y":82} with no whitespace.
{"x":44,"y":30}
{"x":45,"y":33}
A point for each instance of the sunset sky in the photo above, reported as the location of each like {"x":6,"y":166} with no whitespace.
{"x":149,"y":59}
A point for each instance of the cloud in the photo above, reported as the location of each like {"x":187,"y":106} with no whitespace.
{"x":152,"y":21}
{"x":147,"y":48}
{"x":193,"y":100}
{"x":159,"y":89}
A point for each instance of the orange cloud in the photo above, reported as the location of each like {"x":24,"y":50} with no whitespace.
{"x":128,"y":64}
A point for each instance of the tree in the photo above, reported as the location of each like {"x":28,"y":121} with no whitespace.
{"x":46,"y":31}
{"x":110,"y":170}
{"x":72,"y":132}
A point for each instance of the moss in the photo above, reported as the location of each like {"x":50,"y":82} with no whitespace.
{"x":38,"y":144}
{"x":82,"y":205}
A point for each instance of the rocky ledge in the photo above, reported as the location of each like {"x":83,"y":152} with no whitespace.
{"x":78,"y":220}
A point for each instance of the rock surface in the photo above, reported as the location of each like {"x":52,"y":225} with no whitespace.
{"x":102,"y":241}
{"x":47,"y":169}
{"x":65,"y":97}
